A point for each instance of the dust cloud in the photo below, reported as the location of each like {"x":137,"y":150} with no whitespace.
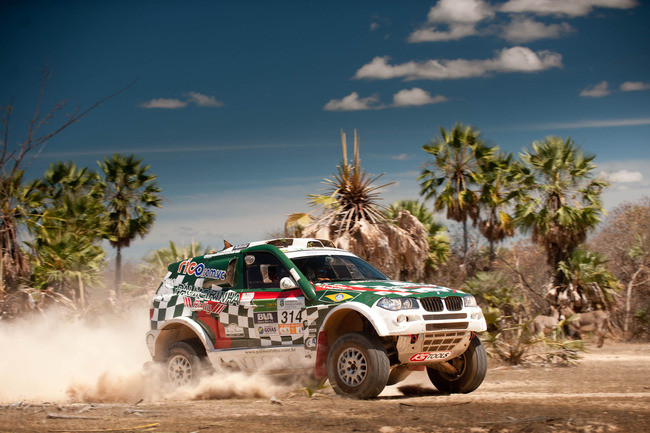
{"x":56,"y":358}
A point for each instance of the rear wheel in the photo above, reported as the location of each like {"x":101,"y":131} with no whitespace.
{"x":471,"y":366}
{"x":184,"y":365}
{"x":357,"y":366}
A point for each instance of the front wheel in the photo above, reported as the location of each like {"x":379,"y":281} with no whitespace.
{"x":357,"y":366}
{"x":471,"y":366}
{"x":184,"y":366}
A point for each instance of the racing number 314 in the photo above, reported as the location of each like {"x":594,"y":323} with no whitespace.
{"x":291,"y":316}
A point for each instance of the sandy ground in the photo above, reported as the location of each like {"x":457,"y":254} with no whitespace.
{"x":608,"y":391}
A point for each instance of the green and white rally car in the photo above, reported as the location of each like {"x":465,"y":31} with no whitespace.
{"x":303,"y":306}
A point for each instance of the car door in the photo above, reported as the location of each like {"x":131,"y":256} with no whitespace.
{"x":277,"y":315}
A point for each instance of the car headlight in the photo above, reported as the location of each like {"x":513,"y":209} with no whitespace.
{"x":395,"y":304}
{"x":469,"y":301}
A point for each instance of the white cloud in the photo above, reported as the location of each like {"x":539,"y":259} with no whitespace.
{"x":631,"y":86}
{"x":629,"y":181}
{"x":596,"y":91}
{"x":458,"y":17}
{"x":623,"y":176}
{"x":164,"y":103}
{"x":522,"y":29}
{"x":403,"y":98}
{"x":203,"y":100}
{"x":571,"y":8}
{"x":415,"y":96}
{"x":352,"y":102}
{"x":515,"y":59}
{"x":191,"y":98}
{"x":460,"y":11}
{"x":401,"y":157}
{"x":432,"y":34}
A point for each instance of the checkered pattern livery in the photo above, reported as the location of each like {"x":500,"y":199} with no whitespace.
{"x":168,"y":306}
{"x":315,"y":317}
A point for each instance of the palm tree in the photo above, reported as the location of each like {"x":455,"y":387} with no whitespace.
{"x":64,"y":247}
{"x":589,"y":280}
{"x":69,"y":262}
{"x":439,"y":247}
{"x":73,"y":201}
{"x":559,"y":201}
{"x":498,"y":185}
{"x":129,"y":193}
{"x":450,"y":179}
{"x":20,"y":206}
{"x":352,"y":218}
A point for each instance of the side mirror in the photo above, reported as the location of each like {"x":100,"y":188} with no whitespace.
{"x":287,"y":284}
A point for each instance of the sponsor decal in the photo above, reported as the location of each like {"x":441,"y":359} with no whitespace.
{"x":310,"y":342}
{"x":339,"y":297}
{"x":233,"y":330}
{"x":267,"y":330}
{"x":209,"y":307}
{"x":290,"y":303}
{"x":264,"y":318}
{"x":240,"y":246}
{"x":429,"y":356}
{"x":227,"y":297}
{"x":269,"y":350}
{"x":336,"y":287}
{"x":290,"y":329}
{"x":199,"y":270}
{"x":247,"y":297}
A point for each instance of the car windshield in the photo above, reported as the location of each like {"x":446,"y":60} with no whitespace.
{"x":329,"y":267}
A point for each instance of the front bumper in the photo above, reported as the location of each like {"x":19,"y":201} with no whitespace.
{"x":427,"y":338}
{"x":419,"y":321}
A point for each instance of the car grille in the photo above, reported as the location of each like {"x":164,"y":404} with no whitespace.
{"x":453,"y":303}
{"x":442,"y":341}
{"x":439,"y":326}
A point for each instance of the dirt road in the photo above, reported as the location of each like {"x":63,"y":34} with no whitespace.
{"x":609,"y":391}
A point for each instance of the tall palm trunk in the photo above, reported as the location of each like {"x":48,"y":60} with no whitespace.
{"x":15,"y":265}
{"x":118,"y":273}
{"x":465,"y":241}
{"x":493,"y":256}
{"x":82,"y":295}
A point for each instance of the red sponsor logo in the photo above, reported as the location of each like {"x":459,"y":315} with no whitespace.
{"x":429,"y":356}
{"x":208,"y":307}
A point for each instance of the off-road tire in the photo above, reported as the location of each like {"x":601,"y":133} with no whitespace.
{"x":472,"y":366}
{"x":358,"y":366}
{"x":183,"y":364}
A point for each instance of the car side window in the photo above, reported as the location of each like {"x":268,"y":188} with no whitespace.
{"x":226,"y":283}
{"x":263,"y":271}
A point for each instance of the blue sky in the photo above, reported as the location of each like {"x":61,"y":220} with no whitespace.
{"x":238,"y":106}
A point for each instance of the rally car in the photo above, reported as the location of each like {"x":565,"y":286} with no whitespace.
{"x":303,"y":306}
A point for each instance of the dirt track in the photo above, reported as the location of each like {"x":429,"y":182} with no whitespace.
{"x":609,"y":391}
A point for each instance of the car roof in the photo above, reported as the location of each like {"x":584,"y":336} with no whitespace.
{"x":286,"y":245}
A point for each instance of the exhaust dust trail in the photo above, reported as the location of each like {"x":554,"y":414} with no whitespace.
{"x":44,"y":355}
{"x":56,"y":358}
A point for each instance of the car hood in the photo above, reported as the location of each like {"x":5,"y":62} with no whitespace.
{"x":369,"y":291}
